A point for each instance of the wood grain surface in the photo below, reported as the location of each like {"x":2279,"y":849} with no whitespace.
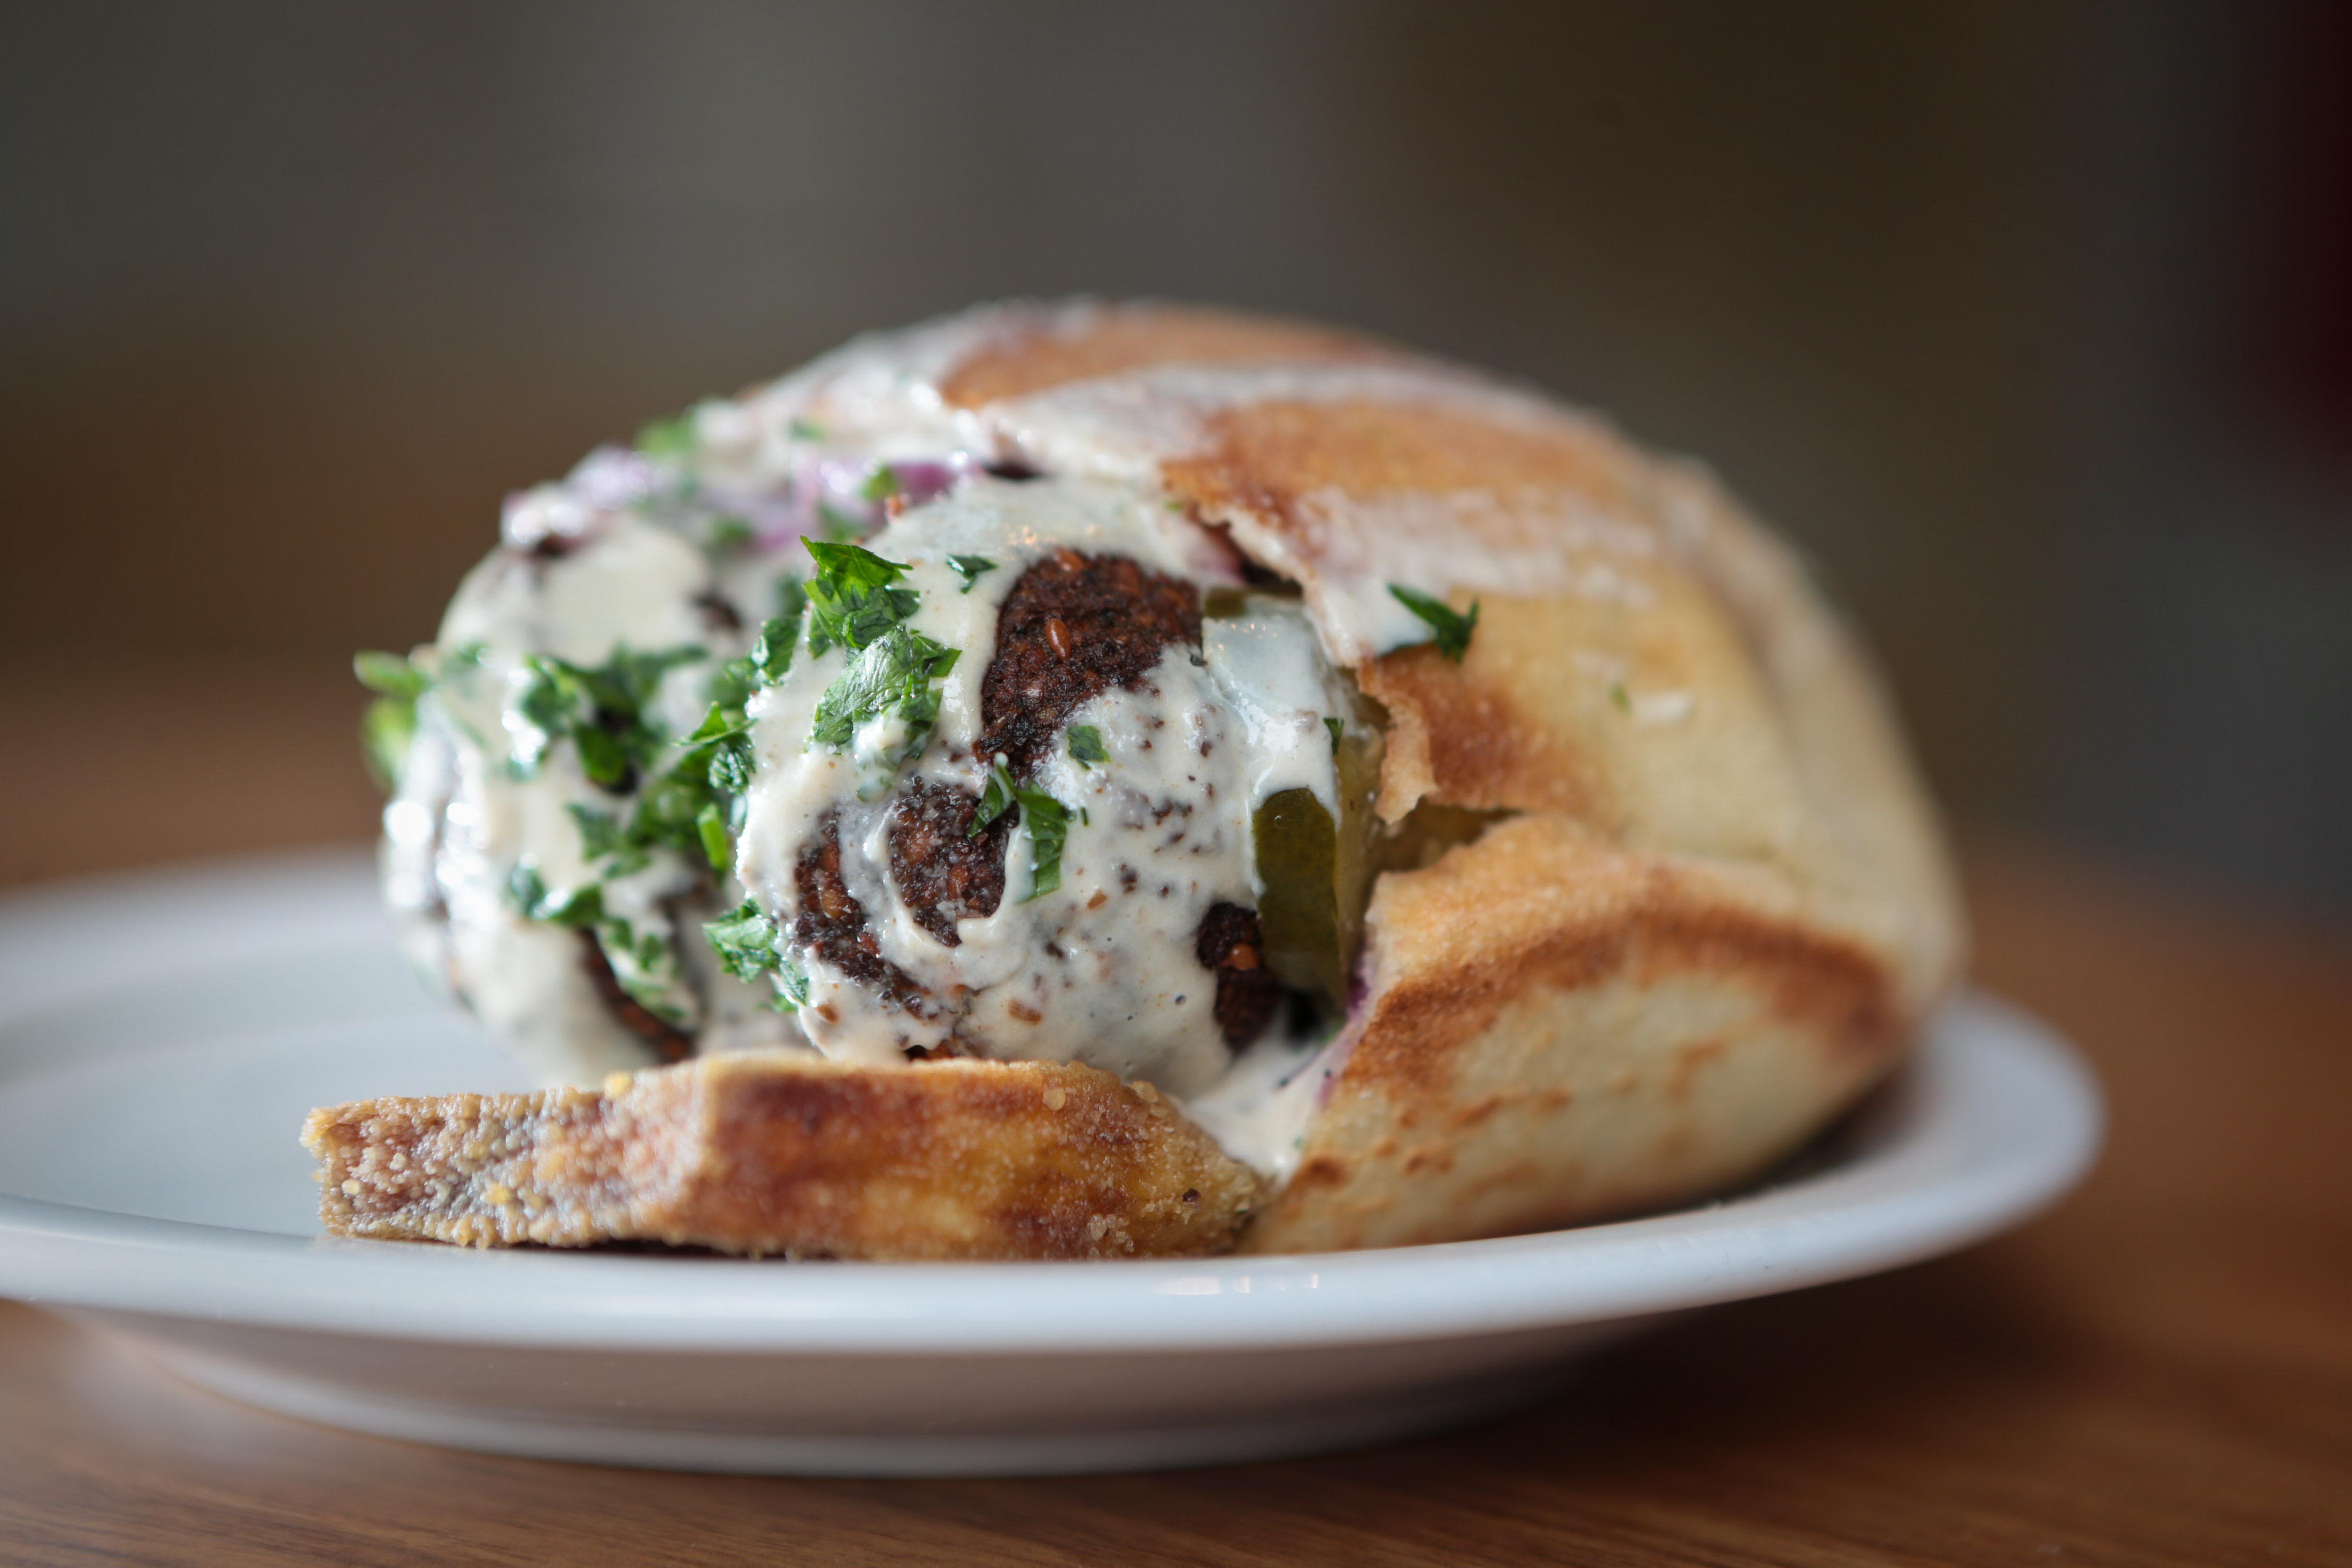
{"x":2158,"y":1371}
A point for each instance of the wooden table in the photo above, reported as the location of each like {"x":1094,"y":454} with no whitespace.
{"x":2160,"y":1372}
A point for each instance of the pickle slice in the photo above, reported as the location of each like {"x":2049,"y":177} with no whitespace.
{"x":1298,"y":850}
{"x":1313,"y":872}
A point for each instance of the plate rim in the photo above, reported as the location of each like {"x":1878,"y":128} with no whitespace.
{"x":1992,"y":1120}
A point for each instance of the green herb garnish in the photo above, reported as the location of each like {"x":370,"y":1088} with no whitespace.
{"x":603,"y":838}
{"x":881,"y":484}
{"x":670,"y":810}
{"x":1450,"y":629}
{"x":995,"y":800}
{"x":1619,"y":696}
{"x":600,"y":709}
{"x":387,"y":729}
{"x":851,"y":600}
{"x":791,"y":987}
{"x":390,"y":674}
{"x":695,"y":804}
{"x":771,"y":656}
{"x":1338,"y":727}
{"x":1087,"y":745}
{"x":807,"y":430}
{"x":1047,"y":820}
{"x":854,"y":601}
{"x":791,"y":601}
{"x":969,"y":567}
{"x":581,"y":908}
{"x":747,"y":941}
{"x":710,"y":825}
{"x":673,"y":437}
{"x":389,"y":726}
{"x":638,"y":958}
{"x":1048,"y":824}
{"x":891,"y":677}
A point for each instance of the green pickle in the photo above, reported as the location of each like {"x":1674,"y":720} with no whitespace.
{"x":1313,"y":872}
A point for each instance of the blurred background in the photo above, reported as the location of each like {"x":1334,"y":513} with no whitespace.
{"x":2033,"y":322}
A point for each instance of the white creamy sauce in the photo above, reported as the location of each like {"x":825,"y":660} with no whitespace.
{"x":453,"y":837}
{"x":879,"y":393}
{"x":1103,"y":969}
{"x":468,"y":814}
{"x":1259,"y":1110}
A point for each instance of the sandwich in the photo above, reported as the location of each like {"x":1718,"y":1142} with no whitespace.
{"x":1085,"y":779}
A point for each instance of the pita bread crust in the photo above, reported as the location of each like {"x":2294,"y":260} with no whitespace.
{"x":785,"y":1152}
{"x":1036,"y":349}
{"x":1720,"y":903}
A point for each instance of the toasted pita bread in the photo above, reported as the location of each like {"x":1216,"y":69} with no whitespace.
{"x":1714,"y":904}
{"x":785,"y":1152}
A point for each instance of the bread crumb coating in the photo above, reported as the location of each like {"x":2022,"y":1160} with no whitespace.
{"x":786,"y":1153}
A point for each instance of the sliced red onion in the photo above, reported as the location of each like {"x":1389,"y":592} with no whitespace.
{"x":820,"y":493}
{"x":611,"y":477}
{"x":922,"y":481}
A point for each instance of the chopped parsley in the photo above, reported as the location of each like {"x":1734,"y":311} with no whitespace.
{"x":855,"y":600}
{"x":1087,"y":745}
{"x":386,"y":731}
{"x":969,"y":567}
{"x":792,"y":600}
{"x":639,"y":960}
{"x":603,"y":838}
{"x":791,"y":987}
{"x":672,"y":808}
{"x":881,"y":484}
{"x":389,"y":726}
{"x":390,"y":674}
{"x":746,"y":941}
{"x":749,"y":945}
{"x":1338,"y":727}
{"x":771,"y":656}
{"x":676,"y":437}
{"x":710,"y":826}
{"x":852,"y":600}
{"x":1450,"y":629}
{"x":1618,"y":694}
{"x":581,"y":908}
{"x":807,"y":430}
{"x":695,"y":804}
{"x":688,"y":803}
{"x":1047,"y":820}
{"x":600,"y":709}
{"x":892,"y":677}
{"x":994,"y":801}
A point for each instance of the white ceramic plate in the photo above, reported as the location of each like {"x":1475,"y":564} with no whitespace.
{"x":160,"y":1038}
